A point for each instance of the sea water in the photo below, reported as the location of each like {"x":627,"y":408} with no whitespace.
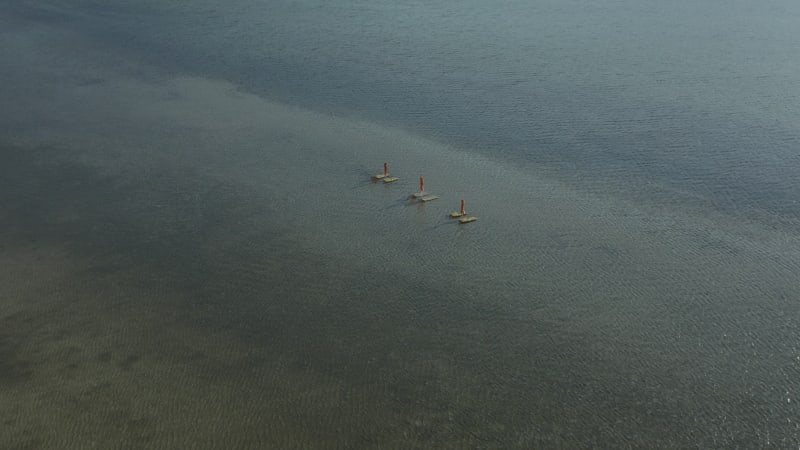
{"x":193,"y":183}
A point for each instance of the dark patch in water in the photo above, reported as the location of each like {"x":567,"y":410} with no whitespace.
{"x":13,"y":368}
{"x":129,"y":361}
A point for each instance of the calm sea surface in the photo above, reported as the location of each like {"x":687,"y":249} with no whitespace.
{"x":699,"y":96}
{"x":199,"y":259}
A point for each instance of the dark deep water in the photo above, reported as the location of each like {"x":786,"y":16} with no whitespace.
{"x":702,"y":97}
{"x":194,"y":256}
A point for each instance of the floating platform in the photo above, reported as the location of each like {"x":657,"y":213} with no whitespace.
{"x":428,"y":198}
{"x":461,"y":213}
{"x":384,"y":175}
{"x":388,"y":179}
{"x":421,"y":193}
{"x":467,"y":219}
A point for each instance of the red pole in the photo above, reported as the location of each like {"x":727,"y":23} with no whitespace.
{"x":463,"y":211}
{"x":385,"y":168}
{"x":422,"y":184}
